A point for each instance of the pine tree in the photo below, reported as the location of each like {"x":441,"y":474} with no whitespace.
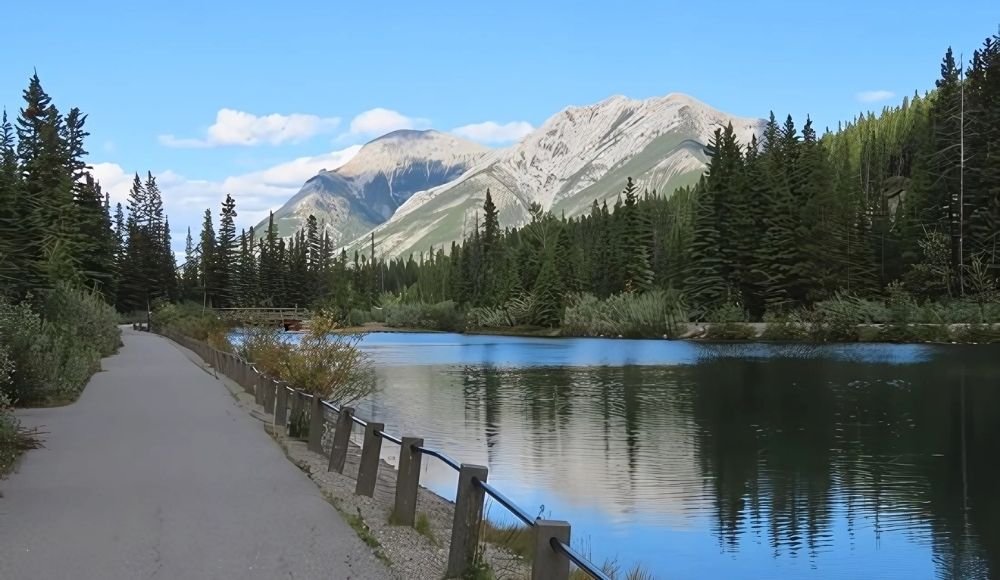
{"x":189,"y":284}
{"x":226,"y":253}
{"x":209,"y":269}
{"x":638,"y":275}
{"x":706,"y":281}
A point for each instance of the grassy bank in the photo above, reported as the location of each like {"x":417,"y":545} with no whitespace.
{"x":660,"y":314}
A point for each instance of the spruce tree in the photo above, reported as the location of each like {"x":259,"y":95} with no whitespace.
{"x":638,"y":275}
{"x":209,"y":268}
{"x":226,"y":252}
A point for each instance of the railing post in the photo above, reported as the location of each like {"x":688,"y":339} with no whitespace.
{"x":371,"y":453}
{"x":404,"y":510}
{"x":341,"y":439}
{"x":316,"y":425}
{"x":468,"y":520}
{"x":280,"y":405}
{"x":265,"y":384}
{"x":548,"y":563}
{"x":294,"y":412}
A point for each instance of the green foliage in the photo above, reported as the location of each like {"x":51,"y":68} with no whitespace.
{"x":654,"y":314}
{"x":728,"y":322}
{"x":190,"y":319}
{"x":58,"y":345}
{"x":440,"y":316}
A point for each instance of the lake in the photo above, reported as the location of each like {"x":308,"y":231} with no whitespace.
{"x":720,"y":461}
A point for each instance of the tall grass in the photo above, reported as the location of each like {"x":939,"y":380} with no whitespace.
{"x":652,"y":314}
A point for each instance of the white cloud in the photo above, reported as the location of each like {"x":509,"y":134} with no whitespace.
{"x":233,"y":127}
{"x":258,"y":192}
{"x":493,"y":132}
{"x":113,"y":180}
{"x":875,"y":96}
{"x":379,"y":121}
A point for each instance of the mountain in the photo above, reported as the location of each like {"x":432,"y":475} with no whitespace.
{"x":579,"y":155}
{"x":367,"y":190}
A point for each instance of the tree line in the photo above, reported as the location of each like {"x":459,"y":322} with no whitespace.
{"x":885,"y":202}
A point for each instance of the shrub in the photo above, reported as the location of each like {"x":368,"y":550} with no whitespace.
{"x":57,"y":346}
{"x":9,"y":425}
{"x":652,"y":314}
{"x":730,"y":331}
{"x":193,"y":320}
{"x":325,"y":362}
{"x":440,"y":316}
{"x":515,"y":312}
{"x":785,"y":326}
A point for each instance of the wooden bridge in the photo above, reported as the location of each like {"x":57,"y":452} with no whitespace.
{"x":286,"y":318}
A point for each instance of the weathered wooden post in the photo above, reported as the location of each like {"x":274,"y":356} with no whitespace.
{"x":316,"y":424}
{"x":280,"y":404}
{"x":265,"y":384}
{"x":404,"y":510}
{"x":548,"y":563}
{"x":371,"y":454}
{"x":468,"y":520}
{"x":294,"y":415}
{"x":341,"y":439}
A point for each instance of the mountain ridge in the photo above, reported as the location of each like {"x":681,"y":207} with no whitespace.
{"x":580,"y":154}
{"x":364,"y":192}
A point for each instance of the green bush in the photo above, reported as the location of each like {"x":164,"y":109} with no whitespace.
{"x":441,"y":316}
{"x":980,"y":333}
{"x":730,"y":331}
{"x":652,"y":314}
{"x":782,"y":326}
{"x":191,"y":319}
{"x":515,"y":312}
{"x":9,"y":425}
{"x":56,"y":346}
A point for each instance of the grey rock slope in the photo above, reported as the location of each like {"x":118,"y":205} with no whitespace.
{"x":367,"y":190}
{"x":579,"y":155}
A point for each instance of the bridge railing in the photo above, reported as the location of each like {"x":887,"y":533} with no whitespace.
{"x":553,"y":554}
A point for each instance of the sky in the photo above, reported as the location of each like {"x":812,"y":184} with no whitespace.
{"x":252,"y":98}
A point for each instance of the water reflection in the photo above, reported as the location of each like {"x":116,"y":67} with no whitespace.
{"x":736,"y":461}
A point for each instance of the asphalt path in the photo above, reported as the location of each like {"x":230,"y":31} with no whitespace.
{"x":155,"y":472}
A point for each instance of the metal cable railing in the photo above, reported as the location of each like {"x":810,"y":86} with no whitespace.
{"x":388,"y":437}
{"x":555,"y":543}
{"x":435,"y":453}
{"x":507,"y":503}
{"x":578,"y":559}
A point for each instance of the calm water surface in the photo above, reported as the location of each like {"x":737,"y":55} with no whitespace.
{"x":720,"y":461}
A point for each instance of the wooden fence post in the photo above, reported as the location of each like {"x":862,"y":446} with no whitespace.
{"x":280,"y":404}
{"x":371,"y":454}
{"x":267,"y":385}
{"x":548,"y":563}
{"x":293,"y":415}
{"x":316,"y":423}
{"x":404,"y":510}
{"x":468,"y":520}
{"x":341,"y":439}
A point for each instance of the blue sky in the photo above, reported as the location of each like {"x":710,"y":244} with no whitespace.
{"x":251,"y":98}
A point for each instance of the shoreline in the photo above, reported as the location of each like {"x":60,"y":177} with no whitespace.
{"x":420,"y":551}
{"x":746,"y":332}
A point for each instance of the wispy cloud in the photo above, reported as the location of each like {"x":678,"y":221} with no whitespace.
{"x":234,"y":127}
{"x":875,"y":96}
{"x":256,"y":193}
{"x":493,"y":132}
{"x":378,"y":121}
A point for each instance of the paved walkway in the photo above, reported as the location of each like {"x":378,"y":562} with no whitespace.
{"x":156,"y":473}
